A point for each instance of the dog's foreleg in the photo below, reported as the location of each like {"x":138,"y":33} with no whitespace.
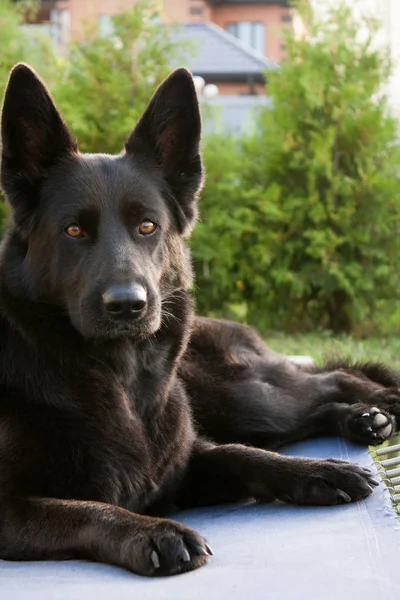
{"x":233,"y":472}
{"x":52,"y":529}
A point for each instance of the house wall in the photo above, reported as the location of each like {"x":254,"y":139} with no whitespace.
{"x":187,"y":11}
{"x":269,"y":14}
{"x":83,"y":12}
{"x":239,"y":89}
{"x":80,"y":11}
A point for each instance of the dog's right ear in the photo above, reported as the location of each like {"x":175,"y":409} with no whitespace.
{"x":34,"y":136}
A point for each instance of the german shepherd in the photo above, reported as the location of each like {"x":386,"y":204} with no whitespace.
{"x":116,"y":404}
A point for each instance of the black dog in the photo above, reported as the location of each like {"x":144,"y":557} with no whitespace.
{"x":102,"y":364}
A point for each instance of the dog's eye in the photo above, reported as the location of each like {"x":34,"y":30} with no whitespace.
{"x":73,"y":230}
{"x":147,"y":227}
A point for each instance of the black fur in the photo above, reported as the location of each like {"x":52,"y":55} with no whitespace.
{"x":115,"y":403}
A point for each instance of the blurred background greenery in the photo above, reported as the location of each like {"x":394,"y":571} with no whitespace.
{"x":299,"y":227}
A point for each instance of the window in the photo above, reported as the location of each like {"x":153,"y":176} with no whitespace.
{"x":196,"y":10}
{"x":60,"y":25}
{"x":286,"y":18}
{"x":105,"y":24}
{"x":252,"y":34}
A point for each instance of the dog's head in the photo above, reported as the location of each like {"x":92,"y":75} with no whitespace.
{"x":99,"y":236}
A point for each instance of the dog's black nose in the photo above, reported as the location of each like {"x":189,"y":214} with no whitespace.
{"x":124,"y":301}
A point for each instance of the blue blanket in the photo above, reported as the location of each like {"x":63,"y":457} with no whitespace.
{"x":262,"y":552}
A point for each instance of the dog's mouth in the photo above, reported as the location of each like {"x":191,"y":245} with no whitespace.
{"x":139,"y":330}
{"x":95,"y":324}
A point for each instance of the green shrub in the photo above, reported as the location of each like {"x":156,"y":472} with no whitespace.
{"x":304,"y":231}
{"x":19,"y":46}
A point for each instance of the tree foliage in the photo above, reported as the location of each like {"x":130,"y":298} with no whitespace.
{"x":313,"y":205}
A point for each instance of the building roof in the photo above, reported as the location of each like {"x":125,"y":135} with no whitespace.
{"x":218,"y":53}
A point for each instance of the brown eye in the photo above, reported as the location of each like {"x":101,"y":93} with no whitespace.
{"x":73,"y":230}
{"x":147,"y":227}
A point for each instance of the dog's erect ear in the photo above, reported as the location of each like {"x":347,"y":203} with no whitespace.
{"x":34,"y":136}
{"x":169,"y":133}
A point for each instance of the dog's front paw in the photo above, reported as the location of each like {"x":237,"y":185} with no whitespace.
{"x":163,"y":548}
{"x":326,"y":482}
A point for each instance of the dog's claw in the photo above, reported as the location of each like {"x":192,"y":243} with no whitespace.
{"x":200,"y":550}
{"x":345,"y":497}
{"x":373,"y":481}
{"x":184,"y":555}
{"x":209,"y":550}
{"x":155,"y":559}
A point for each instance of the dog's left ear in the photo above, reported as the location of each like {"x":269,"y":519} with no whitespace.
{"x":169,"y":133}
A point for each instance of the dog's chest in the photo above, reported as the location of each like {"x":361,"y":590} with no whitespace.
{"x":86,"y":434}
{"x":138,"y":458}
{"x":122,"y":466}
{"x":120,"y":457}
{"x":101,"y":452}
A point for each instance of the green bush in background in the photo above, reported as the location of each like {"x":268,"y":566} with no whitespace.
{"x":302,"y":230}
{"x":17,"y":46}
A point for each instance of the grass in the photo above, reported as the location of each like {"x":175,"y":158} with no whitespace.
{"x":323,"y":344}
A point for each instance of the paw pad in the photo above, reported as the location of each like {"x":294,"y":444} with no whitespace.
{"x":371,"y":425}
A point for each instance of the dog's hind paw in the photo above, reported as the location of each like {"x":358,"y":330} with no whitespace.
{"x":368,"y":425}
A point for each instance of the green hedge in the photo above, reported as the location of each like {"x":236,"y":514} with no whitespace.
{"x":300,"y":221}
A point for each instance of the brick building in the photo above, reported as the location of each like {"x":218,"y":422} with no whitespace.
{"x":239,"y":40}
{"x":255,"y":22}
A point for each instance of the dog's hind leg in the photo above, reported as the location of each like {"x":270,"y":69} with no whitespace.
{"x":242,"y":392}
{"x":345,"y":402}
{"x":270,"y":405}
